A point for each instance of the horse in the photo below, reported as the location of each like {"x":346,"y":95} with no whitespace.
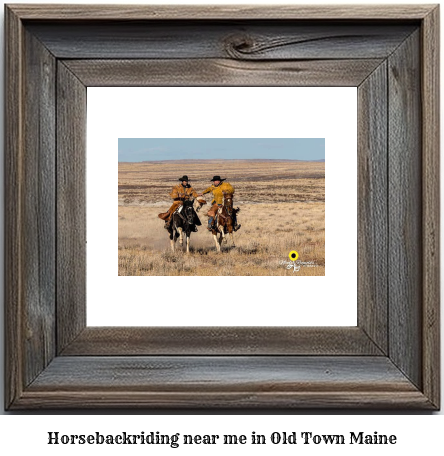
{"x":224,"y":222}
{"x":184,"y":220}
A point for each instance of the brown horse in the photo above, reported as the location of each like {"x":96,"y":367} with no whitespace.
{"x":224,"y":222}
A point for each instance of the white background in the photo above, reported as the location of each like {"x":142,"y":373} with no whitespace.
{"x":416,"y":433}
{"x":266,"y":112}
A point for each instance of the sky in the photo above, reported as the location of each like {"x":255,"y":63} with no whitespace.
{"x":153,"y":149}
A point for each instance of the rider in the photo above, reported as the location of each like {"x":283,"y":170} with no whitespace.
{"x":179,"y":193}
{"x":218,"y":189}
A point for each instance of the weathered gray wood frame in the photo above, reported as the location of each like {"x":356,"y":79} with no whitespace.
{"x":390,"y":360}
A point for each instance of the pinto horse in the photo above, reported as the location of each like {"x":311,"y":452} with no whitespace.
{"x":224,"y":222}
{"x":184,"y":221}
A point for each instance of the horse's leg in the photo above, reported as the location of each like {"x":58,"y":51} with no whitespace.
{"x":172,"y":239}
{"x":216,"y":241}
{"x":188,"y":242}
{"x":221,"y":239}
{"x":222,"y":234}
{"x":231,"y":233}
{"x":180,"y":230}
{"x":232,"y":238}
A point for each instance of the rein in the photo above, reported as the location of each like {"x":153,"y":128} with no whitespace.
{"x":228,"y":208}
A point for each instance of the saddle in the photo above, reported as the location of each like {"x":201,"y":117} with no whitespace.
{"x":164,"y":215}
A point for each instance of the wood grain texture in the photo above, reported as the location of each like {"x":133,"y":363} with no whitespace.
{"x":248,"y":40}
{"x":236,"y":40}
{"x":372,"y":207}
{"x":225,"y":400}
{"x":13,"y":209}
{"x":431,"y":205}
{"x":234,"y":382}
{"x":127,"y":341}
{"x":221,"y":72}
{"x":220,"y":12}
{"x":210,"y":373}
{"x":405,"y":209}
{"x":38,"y":211}
{"x":71,"y":206}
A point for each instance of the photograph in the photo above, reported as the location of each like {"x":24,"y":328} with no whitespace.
{"x":221,"y":206}
{"x":211,"y":124}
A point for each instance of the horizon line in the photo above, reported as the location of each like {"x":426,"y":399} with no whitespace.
{"x":224,"y":159}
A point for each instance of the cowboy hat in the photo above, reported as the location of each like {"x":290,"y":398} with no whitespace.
{"x":184,"y":178}
{"x":217,"y":178}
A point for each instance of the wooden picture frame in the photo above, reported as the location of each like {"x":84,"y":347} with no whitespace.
{"x":390,"y":360}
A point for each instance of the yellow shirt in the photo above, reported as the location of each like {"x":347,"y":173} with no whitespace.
{"x":218,"y":192}
{"x":179,"y":189}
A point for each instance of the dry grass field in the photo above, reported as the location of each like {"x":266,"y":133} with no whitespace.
{"x":282,"y":209}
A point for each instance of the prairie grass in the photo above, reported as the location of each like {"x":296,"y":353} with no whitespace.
{"x":144,"y":245}
{"x":255,"y":182}
{"x":282,"y":209}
